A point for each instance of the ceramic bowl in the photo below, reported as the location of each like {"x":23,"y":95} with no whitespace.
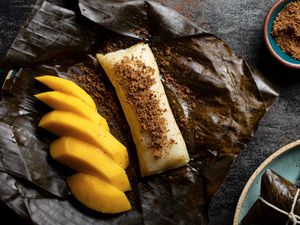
{"x":270,"y":41}
{"x":285,"y":161}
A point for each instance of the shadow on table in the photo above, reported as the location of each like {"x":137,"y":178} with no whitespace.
{"x":274,"y":70}
{"x":8,"y":216}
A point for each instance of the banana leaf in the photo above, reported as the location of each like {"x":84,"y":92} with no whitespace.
{"x":278,"y":191}
{"x":217,"y":100}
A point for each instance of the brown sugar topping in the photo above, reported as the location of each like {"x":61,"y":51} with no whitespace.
{"x":286,"y":29}
{"x":165,"y":59}
{"x":88,"y":76}
{"x":137,"y":78}
{"x":94,"y":85}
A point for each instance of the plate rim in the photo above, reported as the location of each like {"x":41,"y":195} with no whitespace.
{"x":254,"y":175}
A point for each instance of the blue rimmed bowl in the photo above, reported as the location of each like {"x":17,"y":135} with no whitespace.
{"x":270,"y":41}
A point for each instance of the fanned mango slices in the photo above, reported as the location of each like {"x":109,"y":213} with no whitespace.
{"x":86,"y":158}
{"x":85,"y":145}
{"x":97,"y":194}
{"x":63,"y":123}
{"x":61,"y":101}
{"x":68,"y":87}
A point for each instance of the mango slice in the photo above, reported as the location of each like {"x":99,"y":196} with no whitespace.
{"x":86,"y":158}
{"x":63,"y":123}
{"x":61,"y":101}
{"x":68,"y":87}
{"x":97,"y":194}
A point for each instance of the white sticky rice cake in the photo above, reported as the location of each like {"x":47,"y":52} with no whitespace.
{"x":135,"y":76}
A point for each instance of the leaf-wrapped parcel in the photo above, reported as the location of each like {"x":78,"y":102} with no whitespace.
{"x":277,"y":191}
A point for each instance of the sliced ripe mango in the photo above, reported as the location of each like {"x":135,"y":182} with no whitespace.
{"x":68,"y":87}
{"x":87,"y":158}
{"x":61,"y":101}
{"x":63,"y":123}
{"x":97,"y":194}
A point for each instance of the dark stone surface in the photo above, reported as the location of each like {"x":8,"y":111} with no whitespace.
{"x":13,"y":14}
{"x":238,"y":22}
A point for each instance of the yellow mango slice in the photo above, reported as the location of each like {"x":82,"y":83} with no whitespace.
{"x":68,"y":87}
{"x":61,"y":101}
{"x":87,"y":158}
{"x":97,"y":194}
{"x":63,"y":123}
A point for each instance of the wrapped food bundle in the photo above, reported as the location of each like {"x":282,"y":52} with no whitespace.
{"x":279,"y":202}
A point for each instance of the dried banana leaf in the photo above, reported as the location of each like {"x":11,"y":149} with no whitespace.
{"x":279,"y":192}
{"x":216,"y":98}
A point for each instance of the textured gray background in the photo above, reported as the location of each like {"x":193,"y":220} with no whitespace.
{"x":239,"y":23}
